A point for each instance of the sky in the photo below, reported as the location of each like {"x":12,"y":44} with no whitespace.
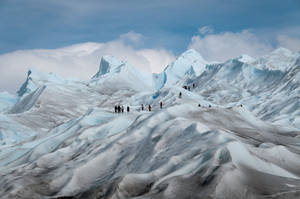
{"x":68,"y":37}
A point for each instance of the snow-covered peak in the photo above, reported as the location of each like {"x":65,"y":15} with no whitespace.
{"x":119,"y":74}
{"x":280,"y":59}
{"x":281,"y":52}
{"x":107,"y":64}
{"x":191,"y":58}
{"x":44,"y":76}
{"x":191,"y":53}
{"x":245,"y":58}
{"x":189,"y":61}
{"x":36,"y":78}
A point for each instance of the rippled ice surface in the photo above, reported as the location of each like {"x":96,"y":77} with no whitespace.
{"x":62,"y":139}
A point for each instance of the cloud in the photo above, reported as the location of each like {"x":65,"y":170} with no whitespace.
{"x":223,"y":46}
{"x":131,"y":38}
{"x":80,"y":60}
{"x":292,"y":43}
{"x":157,"y":59}
{"x":206,"y":30}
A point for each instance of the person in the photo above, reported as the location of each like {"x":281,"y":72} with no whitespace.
{"x":209,"y":106}
{"x":142,"y":107}
{"x":160,"y":105}
{"x":119,"y":108}
{"x":193,"y":85}
{"x":122,"y":109}
{"x":149,"y":107}
{"x":116,"y":108}
{"x":128,"y":109}
{"x":189,"y":88}
{"x":199,"y":105}
{"x":180,"y":94}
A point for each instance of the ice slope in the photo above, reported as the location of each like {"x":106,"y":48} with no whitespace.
{"x":180,"y":152}
{"x":7,"y":100}
{"x":62,"y":139}
{"x":279,"y":59}
{"x":270,"y":94}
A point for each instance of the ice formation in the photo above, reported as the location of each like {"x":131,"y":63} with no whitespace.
{"x":234,"y":134}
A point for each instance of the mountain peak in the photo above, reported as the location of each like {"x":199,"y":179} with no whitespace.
{"x":280,"y":59}
{"x":34,"y":76}
{"x":246,"y":58}
{"x":191,"y":51}
{"x":191,"y":54}
{"x":282,"y":50}
{"x":107,"y":63}
{"x":187,"y":62}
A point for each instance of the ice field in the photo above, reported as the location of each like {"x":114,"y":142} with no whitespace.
{"x":61,"y":138}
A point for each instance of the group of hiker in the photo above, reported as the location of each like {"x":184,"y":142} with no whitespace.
{"x":150,"y":107}
{"x":186,"y":88}
{"x":209,"y":106}
{"x":120,"y":109}
{"x":189,"y":87}
{"x":143,"y":108}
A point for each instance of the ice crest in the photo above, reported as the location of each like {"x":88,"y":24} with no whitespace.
{"x":188,"y":63}
{"x":108,"y":63}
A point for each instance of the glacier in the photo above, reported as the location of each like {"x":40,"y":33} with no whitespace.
{"x":234,"y":134}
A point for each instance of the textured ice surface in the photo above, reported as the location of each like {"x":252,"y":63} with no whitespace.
{"x":7,"y":100}
{"x":234,"y":135}
{"x":188,"y":63}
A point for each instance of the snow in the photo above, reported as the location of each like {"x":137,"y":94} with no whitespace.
{"x":189,"y":63}
{"x":107,"y":64}
{"x":246,"y":58}
{"x":7,"y":100}
{"x":241,"y":157}
{"x":280,"y":59}
{"x":62,"y":138}
{"x":123,"y":73}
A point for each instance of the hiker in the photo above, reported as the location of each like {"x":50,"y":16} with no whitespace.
{"x":119,"y":108}
{"x":149,"y":107}
{"x":180,"y":94}
{"x":116,"y":108}
{"x":128,"y":109}
{"x":122,"y":109}
{"x":142,"y":107}
{"x":160,"y":105}
{"x":193,"y":85}
{"x":189,"y":88}
{"x":199,"y":105}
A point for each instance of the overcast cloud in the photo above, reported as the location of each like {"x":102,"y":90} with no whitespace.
{"x":227,"y":45}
